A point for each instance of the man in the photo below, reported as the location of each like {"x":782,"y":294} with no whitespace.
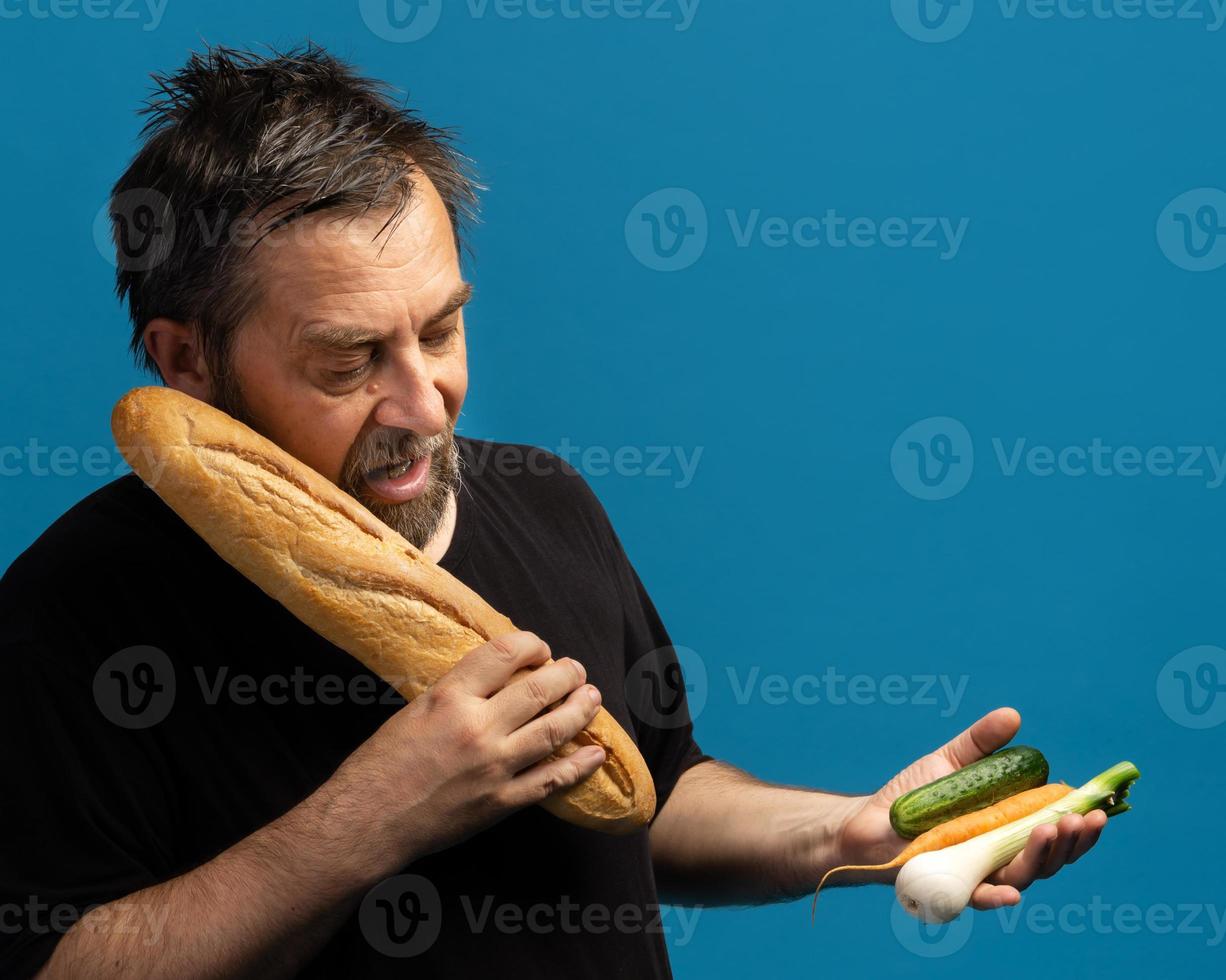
{"x":288,"y":248}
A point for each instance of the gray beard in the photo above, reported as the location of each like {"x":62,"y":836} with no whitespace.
{"x":416,"y":520}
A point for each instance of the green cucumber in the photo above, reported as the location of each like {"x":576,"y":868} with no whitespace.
{"x":971,"y":788}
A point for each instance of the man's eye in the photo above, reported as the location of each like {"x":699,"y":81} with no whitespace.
{"x":439,"y":339}
{"x":342,"y":374}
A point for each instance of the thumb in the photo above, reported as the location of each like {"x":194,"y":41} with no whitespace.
{"x":984,"y":737}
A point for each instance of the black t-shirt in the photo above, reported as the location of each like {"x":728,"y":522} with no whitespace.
{"x":156,"y":707}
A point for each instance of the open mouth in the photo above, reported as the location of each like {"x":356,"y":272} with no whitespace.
{"x":401,"y":481}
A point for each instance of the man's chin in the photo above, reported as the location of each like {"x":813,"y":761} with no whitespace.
{"x":416,"y":520}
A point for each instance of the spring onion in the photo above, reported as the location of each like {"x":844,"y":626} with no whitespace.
{"x":937,"y":886}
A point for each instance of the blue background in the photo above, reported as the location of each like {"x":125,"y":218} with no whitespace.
{"x":797,"y":546}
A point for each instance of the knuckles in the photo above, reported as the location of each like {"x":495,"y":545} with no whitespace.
{"x":536,"y":690}
{"x":510,"y":648}
{"x":503,"y":647}
{"x":555,"y":733}
{"x":471,"y":736}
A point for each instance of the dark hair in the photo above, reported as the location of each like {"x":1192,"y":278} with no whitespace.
{"x":232,"y":134}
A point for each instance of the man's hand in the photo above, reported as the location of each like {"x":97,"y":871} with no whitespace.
{"x":868,"y":838}
{"x":475,"y":747}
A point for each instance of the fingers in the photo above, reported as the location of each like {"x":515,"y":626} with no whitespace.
{"x":987,"y":897}
{"x":523,"y":699}
{"x":542,"y":780}
{"x":1094,"y":822}
{"x":984,"y":737}
{"x":548,"y":733}
{"x":1025,"y":868}
{"x":485,"y":670}
{"x":1050,"y":847}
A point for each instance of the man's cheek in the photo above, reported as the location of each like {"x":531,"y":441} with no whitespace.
{"x":338,"y":454}
{"x":321,"y":449}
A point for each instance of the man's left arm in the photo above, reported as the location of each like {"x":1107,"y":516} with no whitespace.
{"x":726,"y":838}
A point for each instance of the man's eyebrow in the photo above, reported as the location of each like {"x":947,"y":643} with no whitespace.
{"x":462,"y":294}
{"x":342,"y":336}
{"x":337,"y":336}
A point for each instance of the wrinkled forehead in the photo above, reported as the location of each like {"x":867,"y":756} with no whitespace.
{"x":375,"y":263}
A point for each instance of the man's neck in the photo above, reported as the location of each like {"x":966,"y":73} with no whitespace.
{"x":437,"y":546}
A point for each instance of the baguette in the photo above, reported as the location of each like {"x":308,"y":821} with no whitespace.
{"x":344,"y":573}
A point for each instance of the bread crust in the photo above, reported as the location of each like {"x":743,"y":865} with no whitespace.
{"x":344,"y":573}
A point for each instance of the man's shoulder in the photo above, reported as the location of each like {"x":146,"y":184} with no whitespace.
{"x":546,"y":492}
{"x":525,"y":469}
{"x":103,"y":530}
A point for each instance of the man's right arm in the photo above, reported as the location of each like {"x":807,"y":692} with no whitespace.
{"x":471,"y":750}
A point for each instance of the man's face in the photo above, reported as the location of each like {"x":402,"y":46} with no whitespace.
{"x":354,"y":361}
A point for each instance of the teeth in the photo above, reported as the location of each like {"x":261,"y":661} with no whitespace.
{"x":395,"y":472}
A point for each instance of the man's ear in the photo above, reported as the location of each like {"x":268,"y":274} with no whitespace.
{"x":176,"y":349}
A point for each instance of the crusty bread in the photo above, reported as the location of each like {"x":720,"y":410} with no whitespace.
{"x":343,"y":572}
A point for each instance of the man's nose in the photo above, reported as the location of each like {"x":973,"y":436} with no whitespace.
{"x":410,"y":399}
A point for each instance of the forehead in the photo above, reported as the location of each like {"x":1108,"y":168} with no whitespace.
{"x":335,"y":265}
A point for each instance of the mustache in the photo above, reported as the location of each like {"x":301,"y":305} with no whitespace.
{"x":385,"y":447}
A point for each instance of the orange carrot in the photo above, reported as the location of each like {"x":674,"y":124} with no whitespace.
{"x":965,"y":827}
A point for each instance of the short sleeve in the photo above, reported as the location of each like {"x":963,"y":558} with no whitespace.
{"x":655,"y":685}
{"x":85,"y":807}
{"x":656,"y":692}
